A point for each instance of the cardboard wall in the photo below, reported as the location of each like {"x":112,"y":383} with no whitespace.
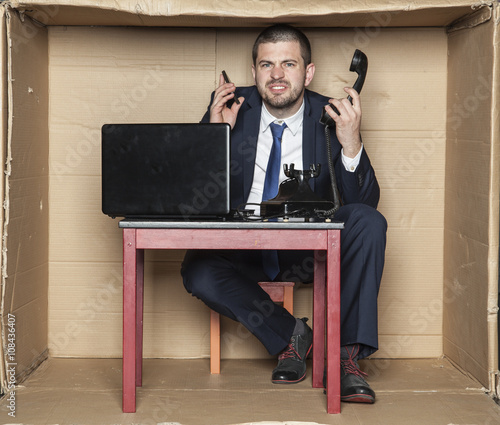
{"x":26,"y":229}
{"x":3,"y":135}
{"x":100,"y":75}
{"x":471,"y":198}
{"x":238,"y":14}
{"x":97,"y":76}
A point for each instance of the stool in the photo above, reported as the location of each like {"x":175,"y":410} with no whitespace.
{"x":280,"y":292}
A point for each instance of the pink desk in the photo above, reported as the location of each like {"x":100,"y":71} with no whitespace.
{"x":322,"y":238}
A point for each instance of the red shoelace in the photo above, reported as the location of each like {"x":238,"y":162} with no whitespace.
{"x":289,"y":353}
{"x":349,"y":365}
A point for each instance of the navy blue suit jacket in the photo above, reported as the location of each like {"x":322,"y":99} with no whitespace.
{"x":355,"y":187}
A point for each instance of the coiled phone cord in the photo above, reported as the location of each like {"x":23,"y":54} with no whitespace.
{"x":333,"y":178}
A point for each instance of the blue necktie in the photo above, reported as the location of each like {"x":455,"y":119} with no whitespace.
{"x":271,"y":184}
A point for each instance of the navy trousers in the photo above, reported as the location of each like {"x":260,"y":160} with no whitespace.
{"x":227,"y":282}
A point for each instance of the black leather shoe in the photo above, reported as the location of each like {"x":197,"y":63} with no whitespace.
{"x":353,"y":387}
{"x":292,"y":360}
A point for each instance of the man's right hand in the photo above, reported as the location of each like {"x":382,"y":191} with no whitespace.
{"x":219,"y":112}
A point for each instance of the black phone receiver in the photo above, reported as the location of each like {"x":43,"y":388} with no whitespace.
{"x":227,"y":80}
{"x":359,"y":64}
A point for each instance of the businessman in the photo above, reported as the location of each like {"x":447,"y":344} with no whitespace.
{"x":276,"y":122}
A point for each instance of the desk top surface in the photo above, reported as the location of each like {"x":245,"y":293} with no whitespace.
{"x":181,"y":224}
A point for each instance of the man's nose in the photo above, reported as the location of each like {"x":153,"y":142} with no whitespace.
{"x":277,"y":73}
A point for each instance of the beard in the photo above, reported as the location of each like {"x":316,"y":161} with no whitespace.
{"x":281,"y":101}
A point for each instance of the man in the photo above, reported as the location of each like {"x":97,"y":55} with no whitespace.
{"x":280,"y":113}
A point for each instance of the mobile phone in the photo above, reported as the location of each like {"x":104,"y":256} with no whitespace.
{"x":227,"y":80}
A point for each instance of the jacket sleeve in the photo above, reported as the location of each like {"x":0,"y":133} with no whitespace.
{"x":206,"y":117}
{"x":360,"y":186}
{"x":356,"y":187}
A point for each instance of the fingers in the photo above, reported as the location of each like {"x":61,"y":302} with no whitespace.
{"x":348,"y":121}
{"x":347,"y":110}
{"x":223,"y":93}
{"x":341,"y":111}
{"x":356,"y":102}
{"x":235,"y":107}
{"x":219,"y":111}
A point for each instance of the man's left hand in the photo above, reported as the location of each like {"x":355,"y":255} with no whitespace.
{"x":348,"y":123}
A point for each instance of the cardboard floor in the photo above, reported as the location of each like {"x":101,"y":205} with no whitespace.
{"x":182,"y":392}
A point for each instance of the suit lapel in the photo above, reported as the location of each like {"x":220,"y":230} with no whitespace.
{"x":250,"y":135}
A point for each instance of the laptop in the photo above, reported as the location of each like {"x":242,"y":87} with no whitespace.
{"x":170,"y":171}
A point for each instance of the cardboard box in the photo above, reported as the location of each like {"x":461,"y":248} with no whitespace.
{"x":430,"y":125}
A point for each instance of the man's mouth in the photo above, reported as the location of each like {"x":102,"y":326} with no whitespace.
{"x":277,"y":87}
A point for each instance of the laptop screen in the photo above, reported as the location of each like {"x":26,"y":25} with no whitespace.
{"x":165,"y":170}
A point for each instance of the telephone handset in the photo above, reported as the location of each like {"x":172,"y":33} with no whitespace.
{"x":359,"y":64}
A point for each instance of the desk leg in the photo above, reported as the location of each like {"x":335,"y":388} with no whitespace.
{"x":319,"y":319}
{"x":333,"y":322}
{"x":139,"y":316}
{"x":129,"y":319}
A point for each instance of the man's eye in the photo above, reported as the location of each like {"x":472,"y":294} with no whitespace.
{"x":289,"y":64}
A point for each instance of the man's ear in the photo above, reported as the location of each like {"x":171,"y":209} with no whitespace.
{"x":253,"y":73}
{"x":310,"y":69}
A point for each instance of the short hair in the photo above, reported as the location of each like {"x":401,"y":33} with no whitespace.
{"x":283,"y":32}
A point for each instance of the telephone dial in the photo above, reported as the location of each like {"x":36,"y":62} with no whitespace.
{"x":295,"y":197}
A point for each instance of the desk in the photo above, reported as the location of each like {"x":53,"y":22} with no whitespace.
{"x":322,"y":238}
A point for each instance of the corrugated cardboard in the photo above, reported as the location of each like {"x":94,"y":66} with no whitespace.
{"x":3,"y":135}
{"x":430,"y":126}
{"x":150,"y":87}
{"x":26,"y":227}
{"x":235,"y":13}
{"x":410,"y":392}
{"x":471,"y":212}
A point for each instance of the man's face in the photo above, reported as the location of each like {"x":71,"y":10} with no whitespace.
{"x":281,"y":77}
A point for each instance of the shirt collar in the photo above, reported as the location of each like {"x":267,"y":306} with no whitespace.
{"x":293,"y":123}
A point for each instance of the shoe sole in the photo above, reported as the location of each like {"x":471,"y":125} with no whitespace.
{"x":289,"y":382}
{"x":296,"y":381}
{"x":358,"y":398}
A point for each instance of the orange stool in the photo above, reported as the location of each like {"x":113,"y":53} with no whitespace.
{"x":280,"y":292}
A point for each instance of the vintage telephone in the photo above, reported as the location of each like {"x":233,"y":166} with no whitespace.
{"x":295,"y":197}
